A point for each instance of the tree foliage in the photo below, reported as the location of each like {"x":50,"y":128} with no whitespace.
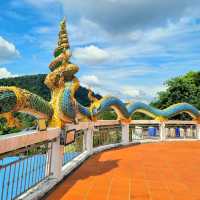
{"x":108,"y":114}
{"x":184,"y":88}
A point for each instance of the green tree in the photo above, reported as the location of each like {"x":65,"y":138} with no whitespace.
{"x":108,"y":114}
{"x":184,"y":88}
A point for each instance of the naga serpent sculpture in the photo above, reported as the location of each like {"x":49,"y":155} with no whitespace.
{"x":63,"y":107}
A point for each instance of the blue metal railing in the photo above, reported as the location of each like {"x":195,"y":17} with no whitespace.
{"x":20,"y":171}
{"x":74,"y":149}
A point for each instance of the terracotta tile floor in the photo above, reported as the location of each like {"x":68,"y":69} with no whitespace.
{"x":162,"y":171}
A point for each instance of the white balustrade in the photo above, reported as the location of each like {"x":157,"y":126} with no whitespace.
{"x":89,"y":140}
{"x":125,"y":133}
{"x":59,"y":170}
{"x":162,"y":131}
{"x":57,"y":159}
{"x":182,"y":133}
{"x":198,"y":131}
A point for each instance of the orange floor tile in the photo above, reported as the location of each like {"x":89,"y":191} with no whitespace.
{"x":162,"y":171}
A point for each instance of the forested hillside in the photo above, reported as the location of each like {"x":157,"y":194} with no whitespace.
{"x":35,"y":84}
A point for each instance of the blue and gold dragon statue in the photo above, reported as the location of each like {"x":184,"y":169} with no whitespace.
{"x":63,"y":107}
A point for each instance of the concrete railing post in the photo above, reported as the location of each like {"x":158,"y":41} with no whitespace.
{"x":125,"y":133}
{"x":89,"y":140}
{"x":57,"y":158}
{"x":198,"y":131}
{"x":84,"y":141}
{"x":162,"y":130}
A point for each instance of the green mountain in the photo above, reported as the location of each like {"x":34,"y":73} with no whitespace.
{"x":35,"y":84}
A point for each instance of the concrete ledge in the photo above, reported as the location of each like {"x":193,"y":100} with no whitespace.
{"x":40,"y":189}
{"x":70,"y":166}
{"x":106,"y":147}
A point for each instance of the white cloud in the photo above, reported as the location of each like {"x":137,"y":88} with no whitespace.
{"x":8,"y":50}
{"x":90,"y":80}
{"x":82,"y":32}
{"x":119,"y":16}
{"x":122,"y":72}
{"x":106,"y":86}
{"x":4,"y":73}
{"x":131,"y":91}
{"x":184,"y":25}
{"x":91,"y":55}
{"x":137,"y":44}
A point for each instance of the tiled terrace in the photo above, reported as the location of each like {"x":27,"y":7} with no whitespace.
{"x":157,"y":171}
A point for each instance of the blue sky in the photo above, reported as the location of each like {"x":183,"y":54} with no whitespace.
{"x":127,"y":48}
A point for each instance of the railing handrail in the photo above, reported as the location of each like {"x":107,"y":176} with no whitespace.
{"x":16,"y":141}
{"x":85,"y":125}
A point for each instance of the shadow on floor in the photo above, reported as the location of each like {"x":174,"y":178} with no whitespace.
{"x":91,"y":167}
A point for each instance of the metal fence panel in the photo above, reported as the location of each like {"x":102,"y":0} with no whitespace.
{"x":107,"y":135}
{"x":21,"y":170}
{"x":74,"y":149}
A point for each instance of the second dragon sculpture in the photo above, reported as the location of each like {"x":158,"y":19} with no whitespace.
{"x":63,"y":107}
